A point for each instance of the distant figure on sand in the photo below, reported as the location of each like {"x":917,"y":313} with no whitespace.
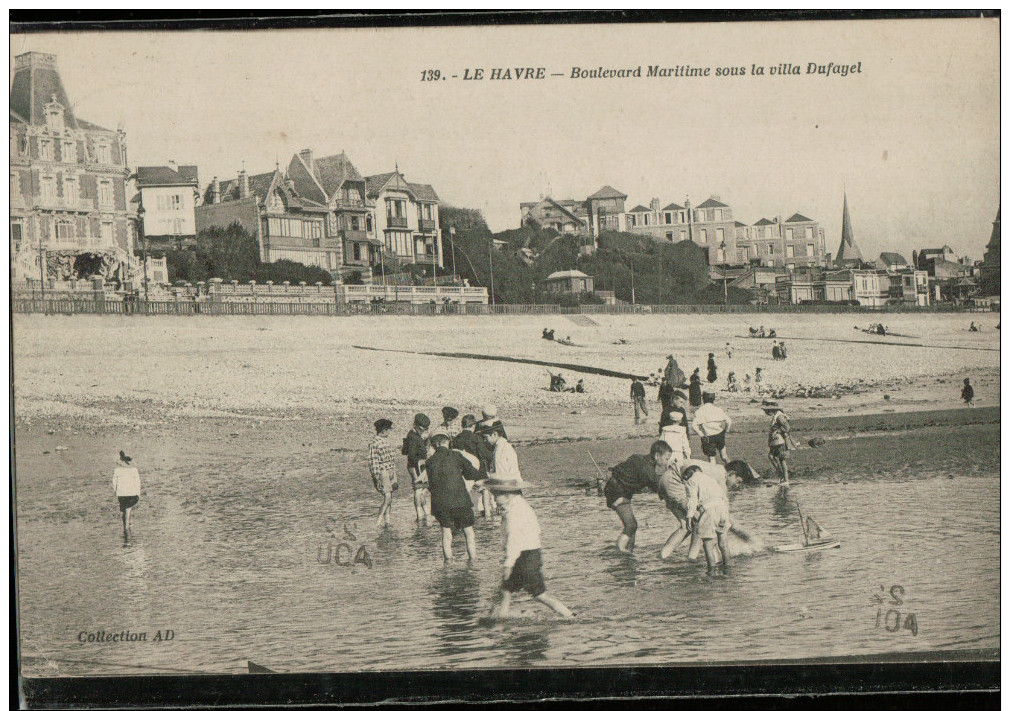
{"x":382,"y":467}
{"x":729,"y":351}
{"x":776,"y":352}
{"x":126,"y":482}
{"x":712,"y":423}
{"x":731,"y":384}
{"x":708,"y":515}
{"x":780,"y":441}
{"x":712,"y":374}
{"x":673,"y":374}
{"x":415,"y":446}
{"x":638,"y":399}
{"x":694,"y":390}
{"x":450,"y":503}
{"x":549,"y":335}
{"x":523,"y":562}
{"x":973,"y":327}
{"x":634,"y":475}
{"x":758,"y":378}
{"x":968,"y":393}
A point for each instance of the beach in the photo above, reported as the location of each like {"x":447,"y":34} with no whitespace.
{"x":250,"y":436}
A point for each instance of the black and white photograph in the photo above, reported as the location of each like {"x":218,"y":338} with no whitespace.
{"x":483,"y":347}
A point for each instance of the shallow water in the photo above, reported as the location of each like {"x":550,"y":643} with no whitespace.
{"x":228,"y":559}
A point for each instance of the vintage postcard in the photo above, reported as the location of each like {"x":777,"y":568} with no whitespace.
{"x":491,"y":347}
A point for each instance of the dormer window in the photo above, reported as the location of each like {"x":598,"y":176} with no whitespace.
{"x":54,"y":116}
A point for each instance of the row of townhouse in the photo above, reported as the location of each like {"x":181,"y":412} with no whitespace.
{"x":796,"y":241}
{"x":322,"y":212}
{"x":882,"y":284}
{"x":71,"y":215}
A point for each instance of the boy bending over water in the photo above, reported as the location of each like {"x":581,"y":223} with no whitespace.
{"x":633,"y":476}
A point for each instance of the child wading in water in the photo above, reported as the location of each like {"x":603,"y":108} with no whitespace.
{"x":779,"y":440}
{"x":632,"y":476}
{"x":382,"y":467}
{"x":522,"y":550}
{"x":415,"y":446}
{"x":126,"y":482}
{"x":708,"y":514}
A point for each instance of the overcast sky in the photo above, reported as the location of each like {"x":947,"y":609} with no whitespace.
{"x":913,"y":138}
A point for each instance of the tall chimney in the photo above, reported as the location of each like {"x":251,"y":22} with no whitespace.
{"x":306,"y":154}
{"x":215,"y":190}
{"x":654,"y":204}
{"x":243,"y":184}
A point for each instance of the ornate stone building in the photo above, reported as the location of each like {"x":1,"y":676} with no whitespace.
{"x":67,"y":184}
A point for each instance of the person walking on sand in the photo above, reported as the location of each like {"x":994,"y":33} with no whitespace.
{"x":638,"y":398}
{"x":126,"y":483}
{"x":708,"y":515}
{"x":758,"y":378}
{"x":450,"y":502}
{"x":712,"y":423}
{"x":729,"y":351}
{"x":523,"y":561}
{"x":382,"y":467}
{"x":694,"y":390}
{"x":633,"y":476}
{"x":415,"y":446}
{"x":968,"y":393}
{"x":712,"y":374}
{"x":780,"y":440}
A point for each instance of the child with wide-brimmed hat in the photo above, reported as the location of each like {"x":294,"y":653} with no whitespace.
{"x":523,"y":563}
{"x":780,"y":441}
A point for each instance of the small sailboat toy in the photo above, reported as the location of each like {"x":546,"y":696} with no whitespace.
{"x":815,"y":538}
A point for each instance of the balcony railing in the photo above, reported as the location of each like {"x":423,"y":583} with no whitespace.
{"x":397,"y":221}
{"x":414,"y":294}
{"x":354,"y":235}
{"x":426,"y":225}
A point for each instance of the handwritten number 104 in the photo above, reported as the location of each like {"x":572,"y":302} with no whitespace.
{"x":430,"y":75}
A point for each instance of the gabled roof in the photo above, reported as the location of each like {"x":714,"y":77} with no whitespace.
{"x":332,"y":171}
{"x":374,"y":184}
{"x":150,"y":175}
{"x":797,"y":217}
{"x":304,"y":180}
{"x":424,"y":192}
{"x":934,"y":250}
{"x":673,"y":206}
{"x":563,"y":208}
{"x":711,"y":202}
{"x":606,"y":192}
{"x":568,"y":274}
{"x":739,"y":224}
{"x":640,"y":208}
{"x":763,"y":221}
{"x":892,"y":258}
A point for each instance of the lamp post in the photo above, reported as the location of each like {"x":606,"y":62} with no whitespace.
{"x":490,"y":262}
{"x":633,"y":302}
{"x":143,"y":242}
{"x":452,"y":246}
{"x":725,"y":289}
{"x":42,"y":271}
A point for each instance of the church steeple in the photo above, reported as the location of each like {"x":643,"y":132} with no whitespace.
{"x":847,"y":249}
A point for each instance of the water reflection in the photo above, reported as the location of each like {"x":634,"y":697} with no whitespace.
{"x":623,"y":567}
{"x":456,"y":603}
